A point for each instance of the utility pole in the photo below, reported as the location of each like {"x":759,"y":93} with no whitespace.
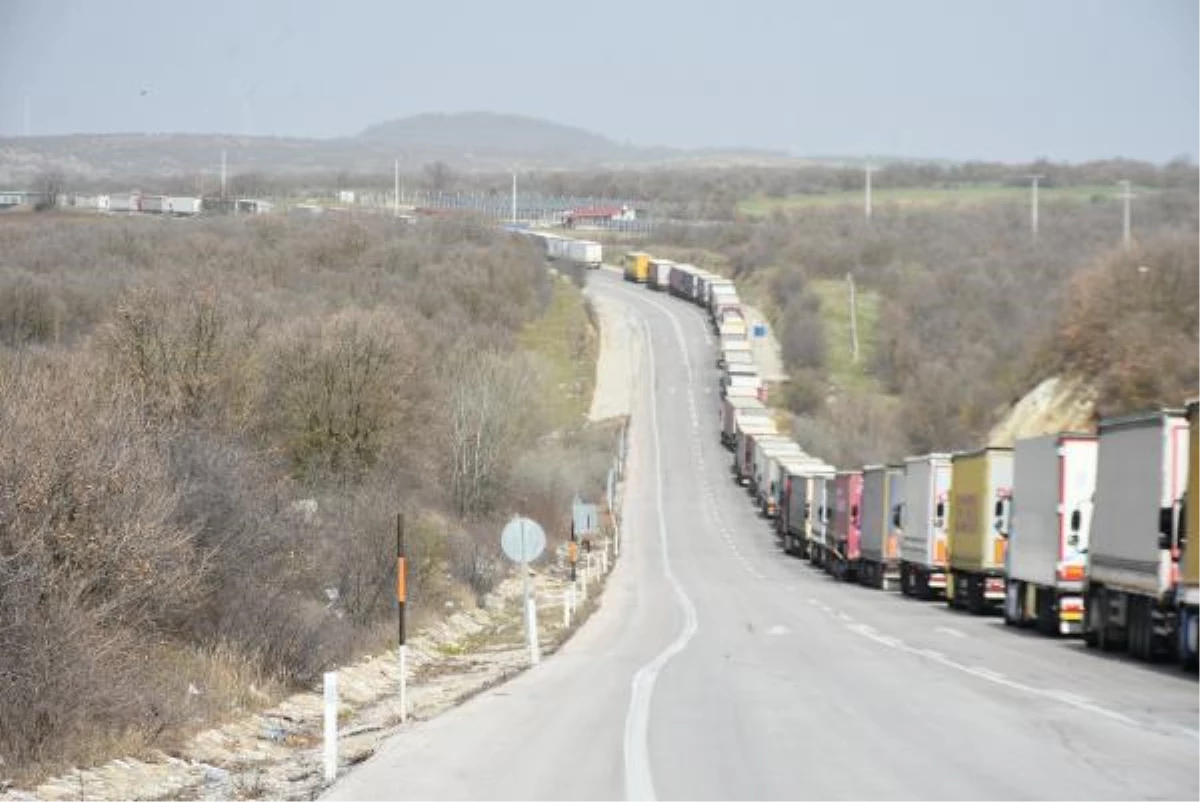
{"x":396,"y":191}
{"x":514,"y":196}
{"x":1033,"y":210}
{"x":869,"y":169}
{"x":1127,"y":232}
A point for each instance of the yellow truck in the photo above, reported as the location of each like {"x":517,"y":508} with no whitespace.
{"x":980,"y":508}
{"x":1187,"y":592}
{"x":637,"y":267}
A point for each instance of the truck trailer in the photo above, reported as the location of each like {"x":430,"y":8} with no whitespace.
{"x":879,"y":542}
{"x":681,"y":281}
{"x":659,"y":274}
{"x":923,"y":521}
{"x":847,"y":512}
{"x":765,"y":446}
{"x":768,"y":481}
{"x":743,"y":447}
{"x":735,"y":407}
{"x":637,"y":267}
{"x":980,"y":504}
{"x":1131,"y":584}
{"x":1187,"y":593}
{"x":1054,"y":482}
{"x":800,"y":505}
{"x":821,"y":542}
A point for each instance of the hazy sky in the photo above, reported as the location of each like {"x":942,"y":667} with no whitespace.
{"x":997,"y":79}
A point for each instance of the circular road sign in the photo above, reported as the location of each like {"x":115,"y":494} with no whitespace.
{"x":523,"y":540}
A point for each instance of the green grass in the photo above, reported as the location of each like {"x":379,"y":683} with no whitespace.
{"x":567,"y":347}
{"x":760,"y":206}
{"x":844,"y":372}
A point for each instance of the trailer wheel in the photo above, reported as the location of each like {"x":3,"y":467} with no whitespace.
{"x":1012,"y":603}
{"x":1189,"y":634}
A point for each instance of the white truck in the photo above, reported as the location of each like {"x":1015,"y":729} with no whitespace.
{"x":734,"y":408}
{"x":585,"y":252}
{"x":660,"y":274}
{"x":742,"y":375}
{"x":769,"y":475}
{"x":1054,"y":481}
{"x":1137,"y":530}
{"x":923,"y":522}
{"x":743,"y":447}
{"x":182,"y":206}
{"x":879,"y":541}
{"x":800,"y":506}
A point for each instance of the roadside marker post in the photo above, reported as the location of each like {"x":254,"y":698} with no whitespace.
{"x":523,"y":541}
{"x":402,"y":599}
{"x":331,"y":736}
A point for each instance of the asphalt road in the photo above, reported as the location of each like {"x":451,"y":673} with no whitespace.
{"x":719,"y":668}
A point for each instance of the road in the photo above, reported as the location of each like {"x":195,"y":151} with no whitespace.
{"x":718,"y":668}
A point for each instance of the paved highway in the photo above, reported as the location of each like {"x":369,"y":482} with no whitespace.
{"x":718,"y":668}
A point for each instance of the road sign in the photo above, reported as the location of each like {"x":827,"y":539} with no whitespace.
{"x":760,"y":330}
{"x":522,"y":540}
{"x":586,"y":518}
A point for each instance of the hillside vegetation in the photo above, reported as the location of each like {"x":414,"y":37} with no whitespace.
{"x":210,"y":428}
{"x":964,"y":311}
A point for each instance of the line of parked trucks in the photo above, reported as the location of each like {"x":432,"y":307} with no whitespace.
{"x":558,"y":248}
{"x":1072,"y":533}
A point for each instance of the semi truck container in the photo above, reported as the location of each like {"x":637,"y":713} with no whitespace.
{"x":1137,"y":531}
{"x":1054,"y":481}
{"x":725,"y":302}
{"x":923,"y":522}
{"x":980,"y":505}
{"x":739,"y":375}
{"x":847,"y":521}
{"x":823,"y":540}
{"x":787,"y":468}
{"x":659,"y":276}
{"x":585,"y":252}
{"x":703,"y":280}
{"x":1187,"y":596}
{"x":753,"y":443}
{"x":879,"y":543}
{"x":735,"y":407}
{"x":637,"y":267}
{"x":768,"y":474}
{"x":732,"y":329}
{"x":183,"y":206}
{"x":681,"y":281}
{"x":764,"y":444}
{"x":801,"y":505}
{"x":743,"y":447}
{"x":125,"y":202}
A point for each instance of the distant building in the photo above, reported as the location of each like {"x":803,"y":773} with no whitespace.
{"x":598,"y":216}
{"x":20,"y":197}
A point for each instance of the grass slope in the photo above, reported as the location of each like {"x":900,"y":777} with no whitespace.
{"x":565,"y":345}
{"x":844,"y":372}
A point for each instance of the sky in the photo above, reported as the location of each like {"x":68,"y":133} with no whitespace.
{"x":1006,"y":80}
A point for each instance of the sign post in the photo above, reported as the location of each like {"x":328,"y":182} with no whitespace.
{"x":402,"y":599}
{"x":523,"y":541}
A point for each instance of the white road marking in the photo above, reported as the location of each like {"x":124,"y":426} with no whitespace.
{"x":949,"y":631}
{"x":639,"y":783}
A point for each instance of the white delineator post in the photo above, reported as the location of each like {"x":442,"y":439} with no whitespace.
{"x":331,"y":736}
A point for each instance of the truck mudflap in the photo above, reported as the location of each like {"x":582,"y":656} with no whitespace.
{"x":1070,"y":615}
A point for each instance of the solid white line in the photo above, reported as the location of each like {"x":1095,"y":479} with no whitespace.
{"x":639,"y":782}
{"x":949,"y":631}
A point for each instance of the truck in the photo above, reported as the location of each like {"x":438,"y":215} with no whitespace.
{"x":879,"y":541}
{"x":1132,"y":571}
{"x":800,"y":505}
{"x":768,"y":474}
{"x":743,"y":447}
{"x":637,"y":267}
{"x":585,"y":252}
{"x":725,"y":301}
{"x":681,"y":281}
{"x":734,"y":408}
{"x":1054,"y":481}
{"x":923,"y":522}
{"x":742,"y":375}
{"x":1187,"y":592}
{"x":659,"y":275}
{"x":847,"y":510}
{"x":182,"y":206}
{"x":732,"y":328}
{"x":736,"y":356}
{"x":980,"y":506}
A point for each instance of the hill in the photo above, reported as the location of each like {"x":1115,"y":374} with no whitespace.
{"x":469,"y":141}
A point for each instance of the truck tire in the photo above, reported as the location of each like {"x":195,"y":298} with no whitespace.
{"x":1013,"y":598}
{"x":975,"y":601}
{"x":1189,"y":634}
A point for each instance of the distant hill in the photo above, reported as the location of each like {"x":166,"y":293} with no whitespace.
{"x":469,"y":141}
